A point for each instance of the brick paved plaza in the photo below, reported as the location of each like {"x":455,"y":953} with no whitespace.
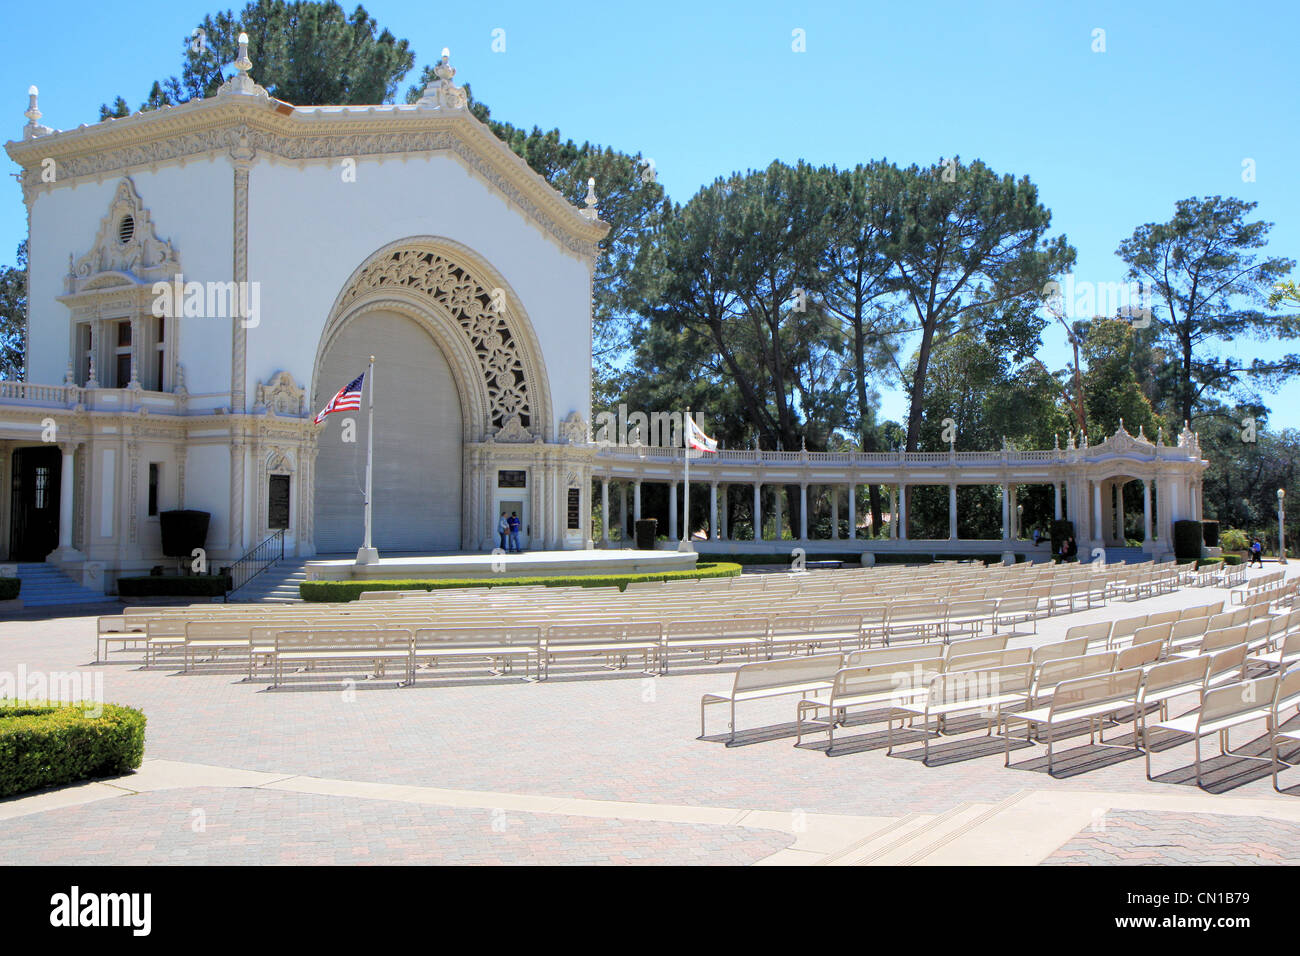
{"x":608,"y":769}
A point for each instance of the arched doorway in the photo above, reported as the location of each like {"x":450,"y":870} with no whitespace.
{"x":418,"y":440}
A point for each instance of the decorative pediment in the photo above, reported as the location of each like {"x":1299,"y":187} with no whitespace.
{"x":1122,"y":443}
{"x":513,"y":431}
{"x":574,"y":429}
{"x":127,"y":250}
{"x":281,"y":396}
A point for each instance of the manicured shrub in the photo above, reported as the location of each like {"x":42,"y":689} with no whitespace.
{"x":183,"y":585}
{"x":335,"y":591}
{"x":1187,"y":540}
{"x":1206,"y":562}
{"x":1232,"y":559}
{"x":46,"y":744}
{"x":9,"y":588}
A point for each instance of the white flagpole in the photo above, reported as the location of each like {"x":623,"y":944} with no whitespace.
{"x":368,"y":554}
{"x":684,"y":542}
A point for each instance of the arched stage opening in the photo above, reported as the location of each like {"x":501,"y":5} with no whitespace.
{"x":419,"y":440}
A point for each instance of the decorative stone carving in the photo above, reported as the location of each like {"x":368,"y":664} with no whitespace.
{"x":281,"y":396}
{"x":241,"y":82}
{"x":513,"y":431}
{"x":443,"y":94}
{"x":484,"y":318}
{"x":573,"y":429}
{"x":126,"y":243}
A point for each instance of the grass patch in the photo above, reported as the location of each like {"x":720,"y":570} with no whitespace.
{"x":337,"y":591}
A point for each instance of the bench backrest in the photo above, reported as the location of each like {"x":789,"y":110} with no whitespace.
{"x":786,"y":671}
{"x":1097,"y":631}
{"x":972,"y":610}
{"x":1288,"y":694}
{"x":975,"y":645}
{"x":1139,"y":655}
{"x":1175,"y":673}
{"x":1083,"y":692}
{"x":217,"y":630}
{"x":918,"y":611}
{"x":984,"y":660}
{"x":1126,"y":627}
{"x":1238,"y":699}
{"x":1051,"y":673}
{"x":1162,"y":617}
{"x":972,"y":686}
{"x":1223,"y":637}
{"x":1153,"y":632}
{"x":1188,"y":628}
{"x":343,"y":639}
{"x":485,"y":636}
{"x":1070,"y":647}
{"x":876,"y":678}
{"x":1228,"y":660}
{"x":600,"y":633}
{"x":889,"y":655}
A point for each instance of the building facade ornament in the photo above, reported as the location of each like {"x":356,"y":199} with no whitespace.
{"x":126,"y":249}
{"x":573,"y":429}
{"x":281,"y":396}
{"x":442,"y":93}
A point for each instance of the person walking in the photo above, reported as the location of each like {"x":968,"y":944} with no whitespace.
{"x":1256,"y":554}
{"x":514,"y":533}
{"x":503,"y":529}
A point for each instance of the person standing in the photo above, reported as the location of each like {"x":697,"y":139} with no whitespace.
{"x":1256,"y":554}
{"x":503,"y":529}
{"x":514,"y":533}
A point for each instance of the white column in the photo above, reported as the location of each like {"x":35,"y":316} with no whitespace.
{"x":853,"y":510}
{"x":1056,"y":488}
{"x":713,"y":511}
{"x":1120,"y":537}
{"x":604,"y":511}
{"x":636,"y":500}
{"x":67,"y":489}
{"x":758,"y":511}
{"x":1097,"y":527}
{"x":902,"y":512}
{"x":778,"y":511}
{"x":835,"y":512}
{"x":622,"y":512}
{"x":803,"y":511}
{"x":952,"y":512}
{"x":1146,"y":514}
{"x":1006,"y":512}
{"x":893,"y":512}
{"x":673,"y":528}
{"x":724,"y":515}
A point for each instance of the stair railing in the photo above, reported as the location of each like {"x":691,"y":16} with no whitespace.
{"x":256,"y":561}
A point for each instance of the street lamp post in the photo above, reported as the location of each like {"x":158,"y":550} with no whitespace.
{"x":1281,"y":526}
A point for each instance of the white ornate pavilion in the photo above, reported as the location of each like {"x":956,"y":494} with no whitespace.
{"x":205,"y":276}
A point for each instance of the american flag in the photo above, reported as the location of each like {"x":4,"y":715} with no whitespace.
{"x":348,"y":398}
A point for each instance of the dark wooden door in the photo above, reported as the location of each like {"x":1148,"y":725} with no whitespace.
{"x":35,"y":503}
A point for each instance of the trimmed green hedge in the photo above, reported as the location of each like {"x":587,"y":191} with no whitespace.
{"x":1232,"y":559}
{"x":9,"y":588}
{"x":46,"y":744}
{"x":1205,"y":562}
{"x":335,"y":591}
{"x":182,"y":585}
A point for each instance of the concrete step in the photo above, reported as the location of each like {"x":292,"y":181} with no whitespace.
{"x":45,"y":585}
{"x":278,"y":584}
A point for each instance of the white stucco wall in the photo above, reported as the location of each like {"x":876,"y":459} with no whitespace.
{"x":191,"y":206}
{"x":309,"y":230}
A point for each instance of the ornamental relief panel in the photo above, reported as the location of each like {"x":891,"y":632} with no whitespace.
{"x":483,"y":317}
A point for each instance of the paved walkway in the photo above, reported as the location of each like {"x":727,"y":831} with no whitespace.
{"x":604,"y":769}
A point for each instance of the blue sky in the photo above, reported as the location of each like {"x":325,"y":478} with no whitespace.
{"x":1182,"y":95}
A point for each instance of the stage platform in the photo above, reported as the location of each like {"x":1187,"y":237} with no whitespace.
{"x":528,"y":564}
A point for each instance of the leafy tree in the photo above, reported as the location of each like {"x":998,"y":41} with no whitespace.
{"x":1208,"y":280}
{"x":970,"y":251}
{"x":13,"y":316}
{"x":1112,"y":391}
{"x":306,"y":52}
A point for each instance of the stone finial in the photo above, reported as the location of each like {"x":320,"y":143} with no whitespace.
{"x":1056,"y":441}
{"x":241,"y":82}
{"x":33,"y":114}
{"x":443,"y":93}
{"x":1069,"y":442}
{"x":590,"y":212}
